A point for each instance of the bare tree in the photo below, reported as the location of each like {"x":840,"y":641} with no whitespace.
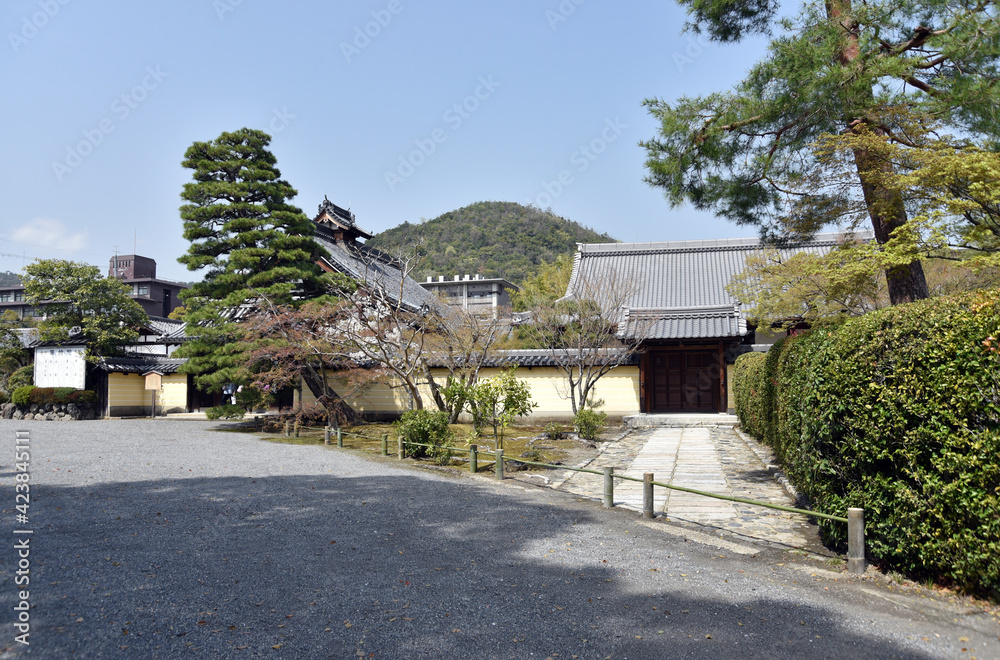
{"x":588,"y":332}
{"x":461,"y":342}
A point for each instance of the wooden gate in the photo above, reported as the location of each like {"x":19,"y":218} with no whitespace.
{"x":684,"y":381}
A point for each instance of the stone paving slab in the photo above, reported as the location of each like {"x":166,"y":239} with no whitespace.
{"x":711,"y":458}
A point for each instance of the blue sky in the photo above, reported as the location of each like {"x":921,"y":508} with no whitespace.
{"x":400,"y":109}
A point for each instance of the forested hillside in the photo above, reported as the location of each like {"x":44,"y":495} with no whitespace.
{"x":494,"y":239}
{"x":8,"y":278}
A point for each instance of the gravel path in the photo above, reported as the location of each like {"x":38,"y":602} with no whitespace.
{"x":165,"y":539}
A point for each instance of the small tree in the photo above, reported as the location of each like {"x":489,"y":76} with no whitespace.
{"x":461,"y":342}
{"x":284,"y":345}
{"x":498,"y":401}
{"x":584,"y":332}
{"x":76,"y":295}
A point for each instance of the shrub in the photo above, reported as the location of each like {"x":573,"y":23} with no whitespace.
{"x":22,"y":395}
{"x":498,"y":401}
{"x":748,"y":392}
{"x":225,"y":411}
{"x":21,"y":377}
{"x":899,"y":412}
{"x":81,"y":397}
{"x":589,"y":423}
{"x":4,"y":397}
{"x":61,"y":394}
{"x":553,"y":430}
{"x":427,"y":428}
{"x":29,"y":394}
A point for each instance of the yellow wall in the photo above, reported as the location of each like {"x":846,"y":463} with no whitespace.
{"x":619,"y":389}
{"x":128,"y":396}
{"x":173,"y":394}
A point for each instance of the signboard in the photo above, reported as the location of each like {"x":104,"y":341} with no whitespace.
{"x":153,"y":380}
{"x":57,"y":366}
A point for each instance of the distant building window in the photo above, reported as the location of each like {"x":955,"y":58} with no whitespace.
{"x":142,"y":290}
{"x":4,"y":297}
{"x":18,"y":297}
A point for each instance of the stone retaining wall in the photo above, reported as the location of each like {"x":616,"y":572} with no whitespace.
{"x":49,"y":411}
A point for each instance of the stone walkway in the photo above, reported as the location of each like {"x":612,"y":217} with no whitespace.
{"x":710,"y":458}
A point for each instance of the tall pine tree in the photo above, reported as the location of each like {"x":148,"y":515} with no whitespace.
{"x":840,"y":67}
{"x":251,"y":243}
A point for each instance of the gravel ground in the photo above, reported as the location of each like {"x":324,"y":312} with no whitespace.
{"x":166,"y":539}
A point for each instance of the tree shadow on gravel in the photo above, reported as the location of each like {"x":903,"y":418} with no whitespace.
{"x":394,"y":567}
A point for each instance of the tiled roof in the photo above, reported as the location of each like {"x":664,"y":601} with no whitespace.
{"x":141,"y":365}
{"x":682,"y":279}
{"x":533,"y":358}
{"x":168,"y":328}
{"x":376,"y":269}
{"x":689,"y":323}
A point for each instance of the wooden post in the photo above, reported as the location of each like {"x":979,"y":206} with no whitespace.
{"x":326,"y":435}
{"x":340,"y":438}
{"x":647,"y":495}
{"x":856,"y":541}
{"x":609,"y":488}
{"x":473,"y":458}
{"x":500,"y":464}
{"x":296,"y":429}
{"x":287,"y":432}
{"x":385,"y":444}
{"x":402,"y":449}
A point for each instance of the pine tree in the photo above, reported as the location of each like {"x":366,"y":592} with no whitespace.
{"x":251,"y":243}
{"x":840,"y":67}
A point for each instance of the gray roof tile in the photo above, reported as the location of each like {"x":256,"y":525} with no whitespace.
{"x":681,"y":277}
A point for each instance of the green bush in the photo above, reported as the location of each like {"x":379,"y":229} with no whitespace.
{"x":21,"y":377}
{"x":4,"y":397}
{"x":225,"y":411}
{"x":29,"y":394}
{"x":426,"y":427}
{"x":898,"y":412}
{"x":22,"y":395}
{"x":748,"y":392}
{"x":553,"y":430}
{"x":82,"y":397}
{"x":589,"y":423}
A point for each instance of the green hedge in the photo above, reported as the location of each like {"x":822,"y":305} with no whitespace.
{"x":29,"y":394}
{"x":748,"y":383}
{"x":899,"y":412}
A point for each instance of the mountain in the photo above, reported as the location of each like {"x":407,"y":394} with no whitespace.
{"x":8,"y":278}
{"x":493,"y":239}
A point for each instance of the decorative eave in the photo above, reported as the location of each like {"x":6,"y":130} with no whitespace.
{"x":339,"y":220}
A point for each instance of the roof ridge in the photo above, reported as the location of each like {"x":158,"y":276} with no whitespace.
{"x":713,"y":244}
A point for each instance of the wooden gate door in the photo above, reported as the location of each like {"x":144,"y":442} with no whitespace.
{"x":684,"y":381}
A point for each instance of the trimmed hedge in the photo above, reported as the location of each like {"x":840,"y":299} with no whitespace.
{"x":748,"y":382}
{"x":29,"y":394}
{"x":898,"y":412}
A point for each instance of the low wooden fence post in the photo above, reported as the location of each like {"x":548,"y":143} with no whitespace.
{"x":647,"y":495}
{"x":473,"y":458}
{"x":326,"y":435}
{"x":385,"y":444}
{"x":340,"y":438}
{"x":500,"y":464}
{"x":287,"y":426}
{"x":856,"y":541}
{"x":609,"y":488}
{"x":402,"y":449}
{"x":296,"y":429}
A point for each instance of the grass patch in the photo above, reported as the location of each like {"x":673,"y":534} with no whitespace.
{"x":518,"y":440}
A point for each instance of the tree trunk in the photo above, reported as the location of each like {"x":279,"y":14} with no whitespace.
{"x":335,"y":406}
{"x":885,"y":206}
